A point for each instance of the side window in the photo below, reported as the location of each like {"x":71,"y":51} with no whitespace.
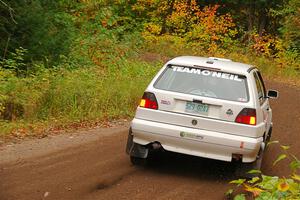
{"x":260,"y":88}
{"x":262,"y":83}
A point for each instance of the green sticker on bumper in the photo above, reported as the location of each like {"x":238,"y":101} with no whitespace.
{"x":190,"y":135}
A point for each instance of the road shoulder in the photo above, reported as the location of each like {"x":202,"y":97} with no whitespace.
{"x":31,"y":148}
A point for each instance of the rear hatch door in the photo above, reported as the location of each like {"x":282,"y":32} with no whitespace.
{"x":201,"y":94}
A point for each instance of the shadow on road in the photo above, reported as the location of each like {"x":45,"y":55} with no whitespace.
{"x":191,"y":166}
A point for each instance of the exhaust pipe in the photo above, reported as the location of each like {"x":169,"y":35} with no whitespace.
{"x":237,"y":157}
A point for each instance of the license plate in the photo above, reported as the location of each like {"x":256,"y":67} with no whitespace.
{"x":197,"y":108}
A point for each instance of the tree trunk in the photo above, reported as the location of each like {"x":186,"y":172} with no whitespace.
{"x":168,"y":13}
{"x":262,"y":21}
{"x":251,"y":15}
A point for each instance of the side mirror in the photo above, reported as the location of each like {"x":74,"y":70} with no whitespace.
{"x":272,"y":94}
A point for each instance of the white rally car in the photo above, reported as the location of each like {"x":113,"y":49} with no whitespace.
{"x":207,"y":107}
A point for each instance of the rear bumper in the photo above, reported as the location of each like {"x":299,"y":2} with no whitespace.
{"x":197,"y":142}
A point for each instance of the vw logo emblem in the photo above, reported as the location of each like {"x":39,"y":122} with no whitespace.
{"x":194,"y":122}
{"x":229,"y":112}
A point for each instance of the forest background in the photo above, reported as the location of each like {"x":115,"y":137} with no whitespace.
{"x":70,"y":63}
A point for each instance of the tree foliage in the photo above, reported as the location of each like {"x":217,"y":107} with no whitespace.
{"x":51,"y":29}
{"x":43,"y":27}
{"x":290,"y":25}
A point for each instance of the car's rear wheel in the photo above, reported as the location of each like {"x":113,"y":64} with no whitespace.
{"x":268,"y":138}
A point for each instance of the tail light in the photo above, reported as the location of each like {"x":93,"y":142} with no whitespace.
{"x":247,"y":116}
{"x":149,"y":101}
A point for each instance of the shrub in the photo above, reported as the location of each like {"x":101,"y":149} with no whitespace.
{"x":272,"y":187}
{"x":193,"y":27}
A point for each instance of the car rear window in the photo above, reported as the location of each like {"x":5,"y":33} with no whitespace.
{"x":204,"y":82}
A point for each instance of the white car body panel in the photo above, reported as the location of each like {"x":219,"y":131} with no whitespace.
{"x":216,"y":135}
{"x":231,"y":128}
{"x":201,"y":143}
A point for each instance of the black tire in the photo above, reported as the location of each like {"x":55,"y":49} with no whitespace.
{"x":268,"y":138}
{"x":138,"y":161}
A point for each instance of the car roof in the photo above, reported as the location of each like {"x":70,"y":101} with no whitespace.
{"x":212,"y":62}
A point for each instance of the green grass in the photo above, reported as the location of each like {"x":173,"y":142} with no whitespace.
{"x":80,"y":95}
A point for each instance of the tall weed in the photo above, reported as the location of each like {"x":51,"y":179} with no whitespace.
{"x":83,"y":94}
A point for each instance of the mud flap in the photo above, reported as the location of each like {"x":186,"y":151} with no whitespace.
{"x":134,"y":149}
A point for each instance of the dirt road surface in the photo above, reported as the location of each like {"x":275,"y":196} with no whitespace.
{"x":93,"y":165}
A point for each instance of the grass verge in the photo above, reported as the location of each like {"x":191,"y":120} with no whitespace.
{"x":68,"y":97}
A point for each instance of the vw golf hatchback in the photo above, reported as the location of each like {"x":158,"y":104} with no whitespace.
{"x":207,"y":107}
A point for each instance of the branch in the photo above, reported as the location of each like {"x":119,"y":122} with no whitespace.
{"x":11,"y":11}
